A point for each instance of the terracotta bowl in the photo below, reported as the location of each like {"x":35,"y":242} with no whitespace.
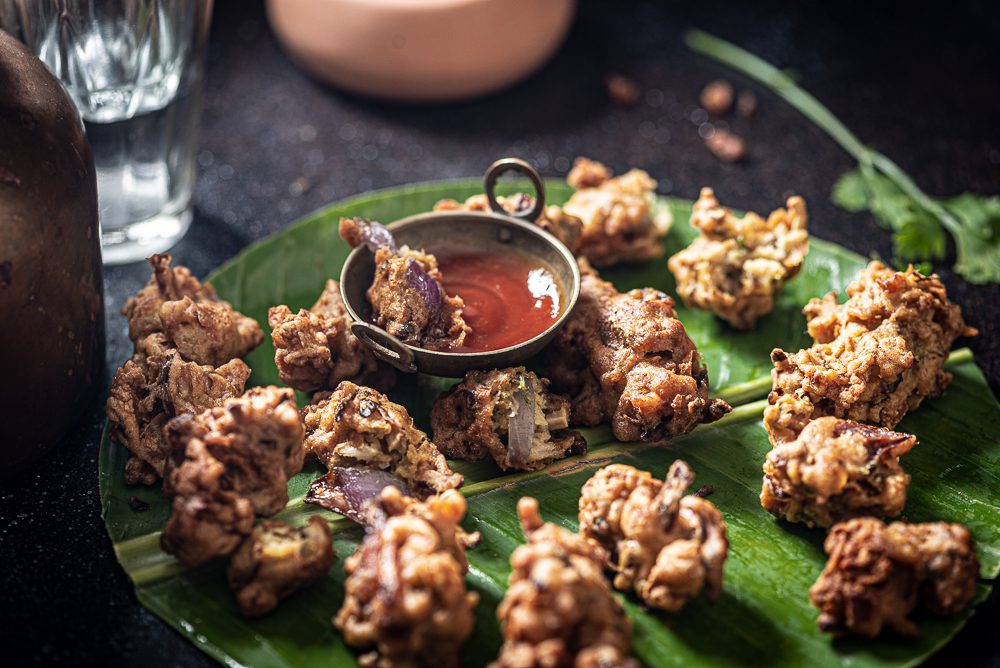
{"x":421,"y":50}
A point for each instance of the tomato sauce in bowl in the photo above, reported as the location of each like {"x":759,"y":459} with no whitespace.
{"x":510,"y":297}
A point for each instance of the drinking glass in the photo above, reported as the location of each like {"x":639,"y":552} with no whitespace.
{"x":135,"y":69}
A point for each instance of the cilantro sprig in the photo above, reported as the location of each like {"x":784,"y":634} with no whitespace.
{"x":920,"y":223}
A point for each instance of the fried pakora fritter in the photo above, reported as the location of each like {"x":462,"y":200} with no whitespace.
{"x":275,"y":561}
{"x":737,"y":266}
{"x":406,"y":598}
{"x":618,"y":214}
{"x":203,"y":328}
{"x":226,"y":465}
{"x":406,"y":295}
{"x":661,"y":543}
{"x":553,"y":219}
{"x":878,"y":575}
{"x":314,"y":349}
{"x":875,"y":357}
{"x":626,"y":358}
{"x":506,"y":414}
{"x":358,"y":427}
{"x":558,"y":611}
{"x":836,"y":470}
{"x":156,"y":385}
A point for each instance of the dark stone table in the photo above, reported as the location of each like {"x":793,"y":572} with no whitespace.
{"x":918,"y":85}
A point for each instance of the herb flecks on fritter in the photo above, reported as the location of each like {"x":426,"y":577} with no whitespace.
{"x":620,"y":222}
{"x":661,"y":543}
{"x":736,"y":266}
{"x":507,"y":414}
{"x":837,"y":470}
{"x":558,"y":611}
{"x":626,"y":358}
{"x":356,"y":427}
{"x":553,"y":219}
{"x":875,"y":357}
{"x":227,"y":465}
{"x":406,"y":598}
{"x":406,"y":295}
{"x":877,"y":576}
{"x":275,"y":561}
{"x":314,"y":349}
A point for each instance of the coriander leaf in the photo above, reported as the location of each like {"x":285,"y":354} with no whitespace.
{"x":850,"y":192}
{"x":977,"y":240}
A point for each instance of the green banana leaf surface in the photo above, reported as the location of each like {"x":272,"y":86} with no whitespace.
{"x":763,"y":616}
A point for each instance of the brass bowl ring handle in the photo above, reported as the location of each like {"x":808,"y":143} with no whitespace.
{"x":515,"y":165}
{"x":385,"y":346}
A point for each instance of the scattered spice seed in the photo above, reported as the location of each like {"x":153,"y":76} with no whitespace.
{"x":705,"y":491}
{"x":137,"y":504}
{"x":623,"y":91}
{"x":717,"y":97}
{"x":746,"y":103}
{"x":726,"y":146}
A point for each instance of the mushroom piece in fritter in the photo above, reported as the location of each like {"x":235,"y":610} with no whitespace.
{"x":406,"y":295}
{"x":626,"y":358}
{"x":878,"y":575}
{"x":553,"y":219}
{"x":661,"y":543}
{"x":506,"y":414}
{"x":836,"y":470}
{"x":406,"y":598}
{"x":619,"y":214}
{"x":736,"y":266}
{"x":356,"y":429}
{"x":875,"y":357}
{"x":275,"y":561}
{"x":558,"y":611}
{"x":314,"y":349}
{"x":226,"y":465}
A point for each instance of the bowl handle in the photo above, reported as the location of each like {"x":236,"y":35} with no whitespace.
{"x":385,"y":346}
{"x":515,"y":165}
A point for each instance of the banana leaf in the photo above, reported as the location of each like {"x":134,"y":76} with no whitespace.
{"x":763,"y":616}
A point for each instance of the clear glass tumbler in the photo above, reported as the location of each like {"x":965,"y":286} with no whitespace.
{"x":135,"y":69}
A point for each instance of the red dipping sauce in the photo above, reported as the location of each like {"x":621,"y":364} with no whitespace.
{"x":510,"y":297}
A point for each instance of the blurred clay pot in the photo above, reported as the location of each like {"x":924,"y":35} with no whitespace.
{"x":421,"y":50}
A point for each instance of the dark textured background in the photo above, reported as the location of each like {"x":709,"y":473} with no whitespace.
{"x":919,"y":85}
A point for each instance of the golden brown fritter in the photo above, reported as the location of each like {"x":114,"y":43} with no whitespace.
{"x":477,"y":417}
{"x":156,"y":385}
{"x":736,"y":266}
{"x":875,"y":357}
{"x":878,"y":575}
{"x":660,"y":543}
{"x":626,"y":358}
{"x":618,"y":214}
{"x":314,"y":349}
{"x":836,"y":470}
{"x":358,"y":427}
{"x":558,"y":611}
{"x":407,"y":297}
{"x":275,"y":561}
{"x":203,"y":328}
{"x":406,"y":598}
{"x":226,"y":465}
{"x":553,"y":219}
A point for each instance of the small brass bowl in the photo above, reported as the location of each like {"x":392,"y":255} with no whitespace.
{"x":461,"y":229}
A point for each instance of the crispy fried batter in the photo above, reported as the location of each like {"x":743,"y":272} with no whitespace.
{"x":875,"y":357}
{"x":558,"y":611}
{"x":315,"y":349}
{"x":406,"y":598}
{"x":617,"y":213}
{"x":225,"y":465}
{"x":836,"y":470}
{"x":276,"y":560}
{"x":473,"y":420}
{"x":878,"y":575}
{"x":737,"y":266}
{"x":156,"y":385}
{"x":356,"y":426}
{"x":627,"y":358}
{"x":664,"y":545}
{"x":553,"y":219}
